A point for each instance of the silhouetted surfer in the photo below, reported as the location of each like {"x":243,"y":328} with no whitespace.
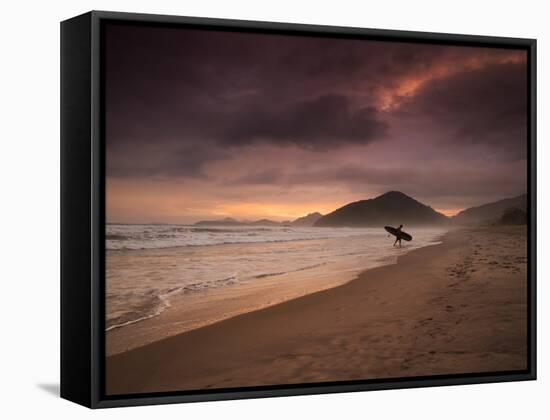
{"x":398,"y":233}
{"x":398,"y":237}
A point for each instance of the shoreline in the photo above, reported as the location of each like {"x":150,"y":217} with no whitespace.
{"x":177,"y":312}
{"x":378,"y":325}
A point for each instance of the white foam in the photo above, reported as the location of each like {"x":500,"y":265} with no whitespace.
{"x":141,"y":283}
{"x":134,"y":237}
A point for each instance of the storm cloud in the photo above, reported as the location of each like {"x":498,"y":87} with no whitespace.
{"x":323,"y":122}
{"x":486,"y":105}
{"x":281,"y":117}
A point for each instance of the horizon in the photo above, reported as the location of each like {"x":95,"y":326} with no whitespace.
{"x":235,"y":219}
{"x":279,"y":126}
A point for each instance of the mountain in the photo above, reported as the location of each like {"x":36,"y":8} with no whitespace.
{"x":228,"y":221}
{"x":391,"y":208}
{"x":306,"y":221}
{"x":513,"y":216}
{"x":491,"y":211}
{"x":263,"y":222}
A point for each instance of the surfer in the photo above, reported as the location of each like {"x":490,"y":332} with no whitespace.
{"x":398,"y":233}
{"x":398,"y":237}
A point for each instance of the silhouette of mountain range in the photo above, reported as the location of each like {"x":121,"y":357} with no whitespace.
{"x":228,"y":221}
{"x":491,"y":211}
{"x":308,"y":220}
{"x":391,"y":208}
{"x":513,"y":216}
{"x":304,"y":221}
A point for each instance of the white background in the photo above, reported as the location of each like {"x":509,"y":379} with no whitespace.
{"x":29,"y":255}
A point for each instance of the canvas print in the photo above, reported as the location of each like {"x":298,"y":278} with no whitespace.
{"x":290,"y":209}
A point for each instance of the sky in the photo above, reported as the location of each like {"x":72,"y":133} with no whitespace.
{"x":211,"y":124}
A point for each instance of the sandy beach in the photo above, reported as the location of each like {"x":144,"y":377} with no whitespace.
{"x":456,"y":307}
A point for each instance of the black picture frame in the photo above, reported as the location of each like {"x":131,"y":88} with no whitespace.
{"x":83,"y":210}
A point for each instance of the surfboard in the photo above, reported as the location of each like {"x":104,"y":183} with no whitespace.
{"x":398,"y":233}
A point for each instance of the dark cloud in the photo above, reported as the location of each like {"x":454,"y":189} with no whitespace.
{"x":164,"y":83}
{"x":182,"y":162}
{"x":483,"y":106}
{"x":320,"y":123}
{"x":179,"y":99}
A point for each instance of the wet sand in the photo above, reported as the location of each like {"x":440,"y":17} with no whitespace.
{"x":457,"y":307}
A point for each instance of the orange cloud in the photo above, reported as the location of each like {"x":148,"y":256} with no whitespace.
{"x":449,"y":212}
{"x":275,"y":211}
{"x":409,"y":85}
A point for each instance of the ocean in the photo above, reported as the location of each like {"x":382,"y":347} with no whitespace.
{"x":149,"y":267}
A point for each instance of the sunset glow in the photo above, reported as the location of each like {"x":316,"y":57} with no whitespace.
{"x":449,"y":212}
{"x":408,"y":86}
{"x":226,"y":124}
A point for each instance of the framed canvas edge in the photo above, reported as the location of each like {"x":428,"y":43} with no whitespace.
{"x":97,"y":362}
{"x":324,"y":30}
{"x":310,"y":389}
{"x":75,"y":194}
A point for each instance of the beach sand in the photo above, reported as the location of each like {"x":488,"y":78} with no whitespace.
{"x":457,"y":307}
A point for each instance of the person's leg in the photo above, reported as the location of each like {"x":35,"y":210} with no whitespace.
{"x":396,"y":239}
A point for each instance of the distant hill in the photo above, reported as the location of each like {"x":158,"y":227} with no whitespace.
{"x":228,"y":221}
{"x":306,"y":221}
{"x":513,"y":216}
{"x":391,"y":208}
{"x":490,"y":212}
{"x":263,"y":222}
